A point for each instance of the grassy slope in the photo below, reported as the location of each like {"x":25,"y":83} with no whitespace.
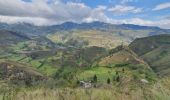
{"x":102,"y":73}
{"x":121,"y":55}
{"x":159,"y":59}
{"x":44,"y":65}
{"x":12,"y":52}
{"x":155,"y":51}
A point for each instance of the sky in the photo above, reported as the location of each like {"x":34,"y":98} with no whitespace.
{"x":51,"y":12}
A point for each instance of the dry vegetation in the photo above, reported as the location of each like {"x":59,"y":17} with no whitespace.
{"x":158,"y":91}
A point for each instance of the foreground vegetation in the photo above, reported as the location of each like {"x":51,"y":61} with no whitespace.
{"x":158,"y":91}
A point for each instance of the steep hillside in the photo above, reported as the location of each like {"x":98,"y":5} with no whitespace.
{"x":10,"y":37}
{"x":122,"y":55}
{"x":155,"y":50}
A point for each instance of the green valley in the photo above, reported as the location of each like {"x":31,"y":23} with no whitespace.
{"x":85,"y":64}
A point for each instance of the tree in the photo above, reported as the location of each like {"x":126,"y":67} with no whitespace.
{"x":95,"y":78}
{"x":78,"y":82}
{"x":108,"y":81}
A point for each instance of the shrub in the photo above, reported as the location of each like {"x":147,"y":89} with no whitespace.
{"x":95,"y":78}
{"x":108,"y":81}
{"x":118,"y":78}
{"x":150,"y":75}
{"x":136,"y":76}
{"x":122,"y":65}
{"x":133,"y":67}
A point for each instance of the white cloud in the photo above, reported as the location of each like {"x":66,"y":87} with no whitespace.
{"x":56,"y":11}
{"x":32,"y":20}
{"x":126,"y":1}
{"x":121,"y":1}
{"x":162,"y":6}
{"x":120,"y":9}
{"x":97,"y":14}
{"x":163,"y":23}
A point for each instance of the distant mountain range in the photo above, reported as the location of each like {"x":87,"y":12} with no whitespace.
{"x":10,"y":37}
{"x":30,"y":29}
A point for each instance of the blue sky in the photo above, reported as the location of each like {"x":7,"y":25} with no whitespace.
{"x":50,"y":12}
{"x":146,"y":5}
